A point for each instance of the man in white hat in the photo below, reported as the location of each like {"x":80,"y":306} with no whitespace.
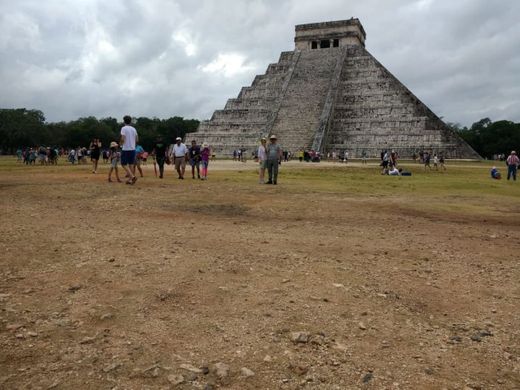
{"x":512,"y":165}
{"x":274,"y":156}
{"x":179,"y":154}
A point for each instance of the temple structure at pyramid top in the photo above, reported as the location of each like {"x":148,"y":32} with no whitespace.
{"x":329,"y":34}
{"x":330,"y":94}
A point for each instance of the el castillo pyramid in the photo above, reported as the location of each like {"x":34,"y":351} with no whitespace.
{"x":330,"y":94}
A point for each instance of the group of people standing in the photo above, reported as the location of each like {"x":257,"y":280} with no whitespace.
{"x":178,"y":154}
{"x":269,"y":157}
{"x":44,"y":155}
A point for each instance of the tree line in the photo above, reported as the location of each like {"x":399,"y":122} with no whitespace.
{"x":490,"y":138}
{"x":22,"y":127}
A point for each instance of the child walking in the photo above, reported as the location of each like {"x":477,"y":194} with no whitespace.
{"x":114,"y":157}
{"x":204,"y":159}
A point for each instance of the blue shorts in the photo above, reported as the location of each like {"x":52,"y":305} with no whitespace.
{"x":128,"y":157}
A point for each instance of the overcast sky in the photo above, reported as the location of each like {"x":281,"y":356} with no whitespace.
{"x":76,"y":58}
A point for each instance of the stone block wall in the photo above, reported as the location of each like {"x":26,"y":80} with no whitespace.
{"x":374,"y":111}
{"x":244,"y":120}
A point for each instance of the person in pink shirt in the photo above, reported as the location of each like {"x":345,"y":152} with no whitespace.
{"x":512,"y":165}
{"x":205,"y":153}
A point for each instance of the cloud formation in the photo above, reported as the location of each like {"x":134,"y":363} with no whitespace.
{"x":75,"y":58}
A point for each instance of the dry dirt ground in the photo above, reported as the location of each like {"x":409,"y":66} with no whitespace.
{"x":337,"y":278}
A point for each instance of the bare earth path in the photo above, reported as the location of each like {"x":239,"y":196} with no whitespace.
{"x":338,"y":278}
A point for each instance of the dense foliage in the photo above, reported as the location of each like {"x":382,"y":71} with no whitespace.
{"x":24,"y":128}
{"x":490,"y":138}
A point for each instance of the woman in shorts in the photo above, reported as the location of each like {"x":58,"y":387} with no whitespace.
{"x":205,"y":153}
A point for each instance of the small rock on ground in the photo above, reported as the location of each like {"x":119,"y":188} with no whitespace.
{"x":221,"y":370}
{"x":246,"y":372}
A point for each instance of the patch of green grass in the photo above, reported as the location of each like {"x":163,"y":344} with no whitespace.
{"x":465,"y":187}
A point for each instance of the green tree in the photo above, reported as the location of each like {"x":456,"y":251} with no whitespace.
{"x":489,"y":138}
{"x":21,"y":127}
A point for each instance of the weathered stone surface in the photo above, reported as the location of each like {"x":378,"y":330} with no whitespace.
{"x":330,"y":99}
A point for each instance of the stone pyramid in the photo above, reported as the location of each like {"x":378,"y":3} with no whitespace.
{"x":330,"y":94}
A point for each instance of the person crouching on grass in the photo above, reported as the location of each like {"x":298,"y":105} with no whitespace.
{"x":114,"y":157}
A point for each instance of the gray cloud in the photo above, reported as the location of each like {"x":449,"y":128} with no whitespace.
{"x":164,"y":58}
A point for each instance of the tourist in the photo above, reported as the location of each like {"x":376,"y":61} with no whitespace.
{"x":441,"y":162}
{"x":393,"y":158}
{"x":394,"y":171}
{"x":495,"y":174}
{"x":363,"y":157}
{"x":300,"y":155}
{"x":512,"y":165}
{"x":42,"y":155}
{"x":79,"y":155}
{"x":159,"y":153}
{"x":129,"y":139}
{"x":274,"y":157}
{"x":105,"y":154}
{"x":194,"y":159}
{"x":72,"y":156}
{"x":345,"y":157}
{"x":426,"y":159}
{"x":179,"y":153}
{"x":53,"y":156}
{"x":139,"y":157}
{"x":114,"y":156}
{"x":262,"y":157}
{"x":384,"y":161}
{"x":436,"y":162}
{"x":95,"y":152}
{"x":204,"y":156}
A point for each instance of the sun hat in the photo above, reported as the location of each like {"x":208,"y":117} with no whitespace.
{"x":513,"y":152}
{"x":273,"y":137}
{"x":263,"y":139}
{"x":178,"y":139}
{"x":204,"y":145}
{"x":113,"y":144}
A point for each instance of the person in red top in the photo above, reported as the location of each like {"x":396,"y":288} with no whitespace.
{"x":512,"y":165}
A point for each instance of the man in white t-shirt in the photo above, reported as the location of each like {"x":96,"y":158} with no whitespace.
{"x":128,"y":141}
{"x":178,"y":154}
